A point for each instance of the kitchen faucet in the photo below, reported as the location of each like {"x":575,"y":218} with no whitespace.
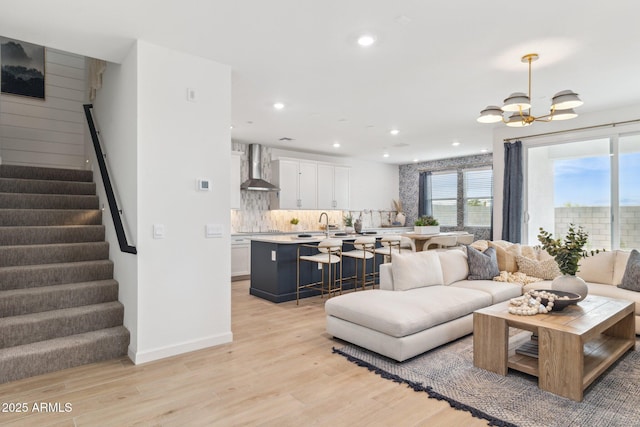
{"x":327,"y":227}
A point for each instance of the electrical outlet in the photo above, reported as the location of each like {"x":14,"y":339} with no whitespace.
{"x":273,"y":255}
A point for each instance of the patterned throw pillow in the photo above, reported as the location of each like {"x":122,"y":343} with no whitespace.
{"x":482,"y":265}
{"x":631,"y":278}
{"x":546,"y":270}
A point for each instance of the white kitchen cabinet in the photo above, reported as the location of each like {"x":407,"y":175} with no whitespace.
{"x":240,"y":256}
{"x":236,"y":179}
{"x":333,"y":186}
{"x":297,"y":180}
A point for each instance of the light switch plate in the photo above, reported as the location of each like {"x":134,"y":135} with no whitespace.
{"x":158,"y":231}
{"x":213,"y":230}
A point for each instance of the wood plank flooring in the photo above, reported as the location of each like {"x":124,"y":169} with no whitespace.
{"x":279,"y":371}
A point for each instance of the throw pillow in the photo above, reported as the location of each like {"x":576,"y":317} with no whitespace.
{"x":454,"y":265}
{"x":506,"y":254}
{"x":631,"y":278}
{"x":482,"y":265}
{"x":416,"y":270}
{"x":546,"y":270}
{"x":480,"y":245}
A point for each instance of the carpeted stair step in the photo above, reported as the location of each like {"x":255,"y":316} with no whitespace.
{"x":62,"y":353}
{"x":32,"y":186}
{"x":52,"y":254}
{"x":35,"y":235}
{"x":17,"y":302}
{"x":35,"y":217}
{"x":54,"y":174}
{"x":33,"y":276}
{"x":30,"y":328}
{"x":47,"y":201}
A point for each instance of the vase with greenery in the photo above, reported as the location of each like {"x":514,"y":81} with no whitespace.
{"x":348,"y":223}
{"x":426,"y":225}
{"x":568,"y":252}
{"x":295,"y":224}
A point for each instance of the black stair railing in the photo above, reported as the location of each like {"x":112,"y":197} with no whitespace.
{"x":113,"y":205}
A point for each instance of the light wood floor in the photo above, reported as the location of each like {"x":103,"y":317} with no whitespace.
{"x":279,"y":371}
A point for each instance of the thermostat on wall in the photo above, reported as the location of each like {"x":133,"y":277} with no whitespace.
{"x":204,"y":184}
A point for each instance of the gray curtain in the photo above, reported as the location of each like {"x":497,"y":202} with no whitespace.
{"x":512,"y":201}
{"x":425,"y":195}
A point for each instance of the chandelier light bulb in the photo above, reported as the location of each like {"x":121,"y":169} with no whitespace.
{"x":565,"y":99}
{"x":491,"y":114}
{"x":516,"y":120}
{"x":516,"y":101}
{"x":563,"y":114}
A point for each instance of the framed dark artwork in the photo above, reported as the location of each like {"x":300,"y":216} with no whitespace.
{"x":22,"y":68}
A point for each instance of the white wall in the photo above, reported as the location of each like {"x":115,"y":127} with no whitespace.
{"x":589,"y":119}
{"x":176,"y":291}
{"x":115,"y":113}
{"x":183,"y":280}
{"x":373,"y":185}
{"x":48,"y":132}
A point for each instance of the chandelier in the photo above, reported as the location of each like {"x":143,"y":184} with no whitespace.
{"x":519,"y":105}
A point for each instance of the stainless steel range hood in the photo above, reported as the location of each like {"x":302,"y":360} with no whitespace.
{"x":255,"y":181}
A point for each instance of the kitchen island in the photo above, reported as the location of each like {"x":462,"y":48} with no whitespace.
{"x":274,"y":265}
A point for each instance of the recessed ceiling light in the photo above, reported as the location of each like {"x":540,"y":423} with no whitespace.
{"x":415,"y":160}
{"x":366,"y":40}
{"x":336,"y":145}
{"x":484,"y":150}
{"x":385,"y":155}
{"x":231,"y":127}
{"x":455,"y":143}
{"x":278,"y":105}
{"x":394,"y":131}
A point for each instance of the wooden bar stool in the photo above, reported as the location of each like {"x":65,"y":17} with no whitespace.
{"x":329,"y":253}
{"x":363,"y":249}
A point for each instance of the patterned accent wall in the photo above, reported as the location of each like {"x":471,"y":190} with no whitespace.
{"x":409,"y":184}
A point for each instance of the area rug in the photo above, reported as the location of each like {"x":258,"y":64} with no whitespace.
{"x":447,"y":373}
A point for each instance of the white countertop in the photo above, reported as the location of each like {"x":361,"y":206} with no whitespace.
{"x":317,"y":236}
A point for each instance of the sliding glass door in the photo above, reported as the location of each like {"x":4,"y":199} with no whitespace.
{"x":629,"y":199}
{"x":592,"y":183}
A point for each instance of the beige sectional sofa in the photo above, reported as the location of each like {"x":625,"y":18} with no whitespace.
{"x":422,"y":304}
{"x":400,"y":320}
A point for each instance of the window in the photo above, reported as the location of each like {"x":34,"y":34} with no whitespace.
{"x":478,"y":197}
{"x":458,"y":198}
{"x":444,"y":198}
{"x":592,"y":183}
{"x":629,"y":191}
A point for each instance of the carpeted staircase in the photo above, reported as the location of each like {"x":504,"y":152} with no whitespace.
{"x":58,"y":301}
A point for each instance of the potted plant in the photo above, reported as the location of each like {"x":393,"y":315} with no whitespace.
{"x":426,"y":225}
{"x":348,"y":223}
{"x":295,"y":224}
{"x":568,"y":252}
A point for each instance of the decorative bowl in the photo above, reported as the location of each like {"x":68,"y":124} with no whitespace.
{"x":564,"y":299}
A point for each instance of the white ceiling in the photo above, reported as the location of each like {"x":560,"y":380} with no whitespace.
{"x":435,"y":66}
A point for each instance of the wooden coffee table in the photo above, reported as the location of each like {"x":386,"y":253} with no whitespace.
{"x":575,"y":345}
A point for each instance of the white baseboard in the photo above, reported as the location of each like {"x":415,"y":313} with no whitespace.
{"x":173,"y":350}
